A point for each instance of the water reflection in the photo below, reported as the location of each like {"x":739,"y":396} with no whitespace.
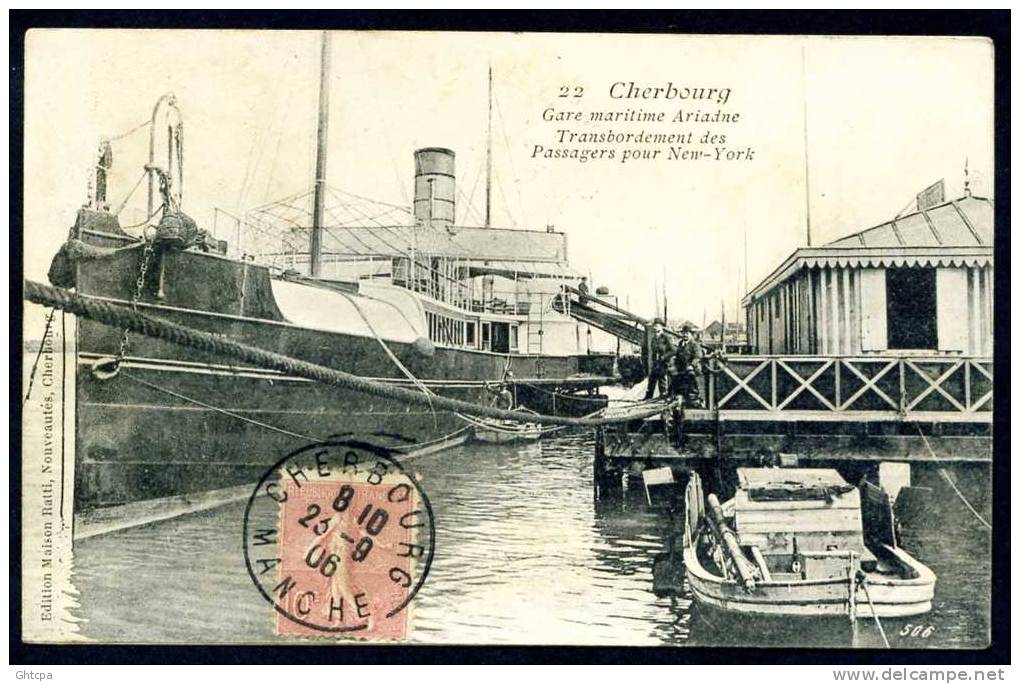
{"x":524,"y":555}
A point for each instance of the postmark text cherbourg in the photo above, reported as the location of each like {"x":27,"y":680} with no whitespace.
{"x":339,"y":537}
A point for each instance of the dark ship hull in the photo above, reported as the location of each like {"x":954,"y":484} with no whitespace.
{"x":175,"y":421}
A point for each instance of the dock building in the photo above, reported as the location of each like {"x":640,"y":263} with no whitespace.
{"x":917,"y":284}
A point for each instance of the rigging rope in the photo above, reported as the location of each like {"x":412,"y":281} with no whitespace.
{"x":148,"y":218}
{"x":380,"y":112}
{"x":121,"y":136}
{"x":510,"y":156}
{"x":120,"y":207}
{"x":288,"y":100}
{"x":471,"y":198}
{"x":38,"y":355}
{"x":122,"y":317}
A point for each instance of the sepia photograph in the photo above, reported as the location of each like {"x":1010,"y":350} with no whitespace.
{"x":452,"y":338}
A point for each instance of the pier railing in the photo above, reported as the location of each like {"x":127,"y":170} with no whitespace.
{"x":922,"y":388}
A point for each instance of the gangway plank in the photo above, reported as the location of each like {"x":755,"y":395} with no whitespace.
{"x":603,"y":315}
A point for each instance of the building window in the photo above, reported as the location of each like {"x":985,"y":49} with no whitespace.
{"x":910,"y":308}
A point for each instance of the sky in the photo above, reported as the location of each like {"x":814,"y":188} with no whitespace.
{"x":885,"y":118}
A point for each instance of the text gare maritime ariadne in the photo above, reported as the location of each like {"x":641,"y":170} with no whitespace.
{"x":630,"y":90}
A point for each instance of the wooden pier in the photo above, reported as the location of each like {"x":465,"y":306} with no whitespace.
{"x":812,"y":409}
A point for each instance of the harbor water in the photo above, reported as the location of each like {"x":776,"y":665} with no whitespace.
{"x":524,"y":555}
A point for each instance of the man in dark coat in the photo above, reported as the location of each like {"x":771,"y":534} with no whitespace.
{"x":685,"y":376}
{"x":660,"y":352}
{"x":582,"y":291}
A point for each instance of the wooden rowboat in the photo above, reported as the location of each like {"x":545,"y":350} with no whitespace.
{"x":791,"y":542}
{"x":507,"y":431}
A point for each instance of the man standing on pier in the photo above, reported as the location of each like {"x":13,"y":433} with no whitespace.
{"x":659,"y":353}
{"x":685,"y":375}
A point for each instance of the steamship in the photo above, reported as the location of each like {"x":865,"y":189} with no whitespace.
{"x":466,"y":312}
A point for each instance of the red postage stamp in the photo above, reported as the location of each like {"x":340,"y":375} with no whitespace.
{"x":349,"y":547}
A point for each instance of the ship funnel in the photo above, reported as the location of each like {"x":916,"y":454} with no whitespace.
{"x":434,"y":187}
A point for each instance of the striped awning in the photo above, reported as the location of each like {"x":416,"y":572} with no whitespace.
{"x":872,"y":257}
{"x":897,"y":260}
{"x":957,"y":234}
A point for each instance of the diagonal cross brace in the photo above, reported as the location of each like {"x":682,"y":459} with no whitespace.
{"x":935,"y":385}
{"x":742,"y":384}
{"x":805,"y":384}
{"x":869,"y":384}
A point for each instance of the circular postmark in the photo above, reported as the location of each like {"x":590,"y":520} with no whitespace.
{"x":339,"y":538}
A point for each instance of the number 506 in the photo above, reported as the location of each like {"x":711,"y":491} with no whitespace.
{"x":917,"y":631}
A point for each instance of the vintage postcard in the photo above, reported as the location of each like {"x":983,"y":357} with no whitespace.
{"x":335,"y":338}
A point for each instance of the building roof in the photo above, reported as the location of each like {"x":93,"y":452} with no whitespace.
{"x":731,"y":326}
{"x":959,"y":232}
{"x":677,"y":323}
{"x":966,"y":222}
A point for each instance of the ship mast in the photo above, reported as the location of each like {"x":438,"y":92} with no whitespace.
{"x":320,"y":157}
{"x":488,"y":160}
{"x":807,"y":172}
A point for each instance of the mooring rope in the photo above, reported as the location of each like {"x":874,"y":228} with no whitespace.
{"x":268,"y":426}
{"x":217,"y":409}
{"x":123,"y":318}
{"x":393,"y":357}
{"x":425,"y":389}
{"x":945,"y":476}
{"x":874,"y":613}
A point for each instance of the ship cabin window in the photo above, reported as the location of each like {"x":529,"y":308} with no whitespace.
{"x":513,"y":337}
{"x":501,"y":338}
{"x":400,"y":269}
{"x":486,"y":336}
{"x":910,"y":308}
{"x":449,"y":331}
